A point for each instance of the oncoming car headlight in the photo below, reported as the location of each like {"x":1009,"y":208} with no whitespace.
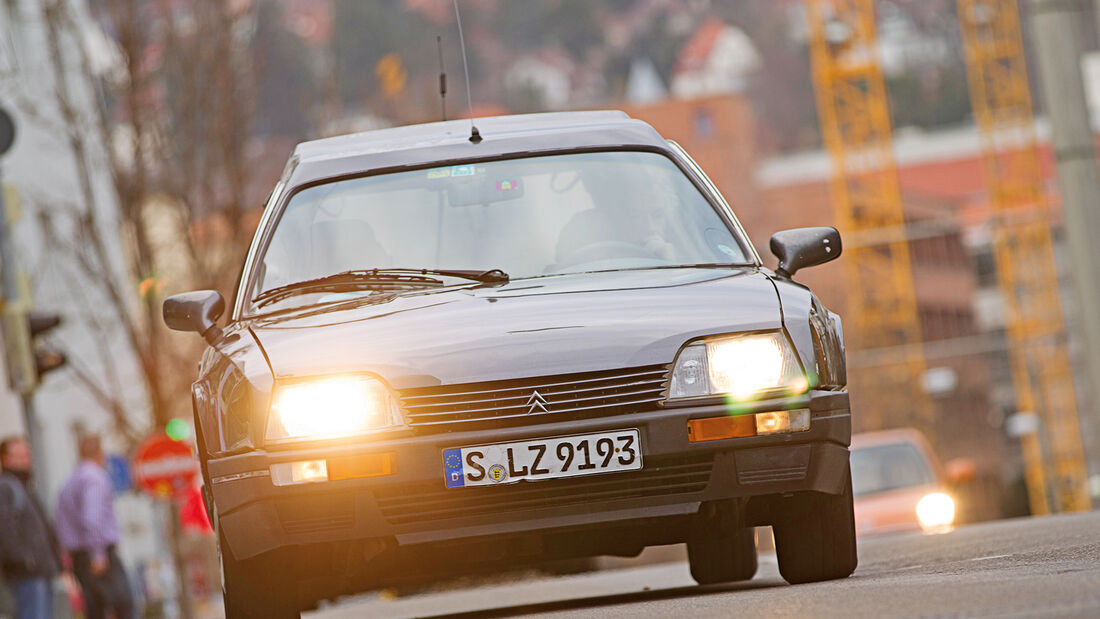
{"x":936,"y":512}
{"x":741,"y":367}
{"x":331,"y":407}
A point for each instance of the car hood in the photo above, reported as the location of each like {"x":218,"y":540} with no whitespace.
{"x":532,"y":327}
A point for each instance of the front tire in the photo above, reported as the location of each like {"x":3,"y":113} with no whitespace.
{"x":256,"y":588}
{"x":721,"y":548}
{"x":815,"y":536}
{"x":726,"y":557}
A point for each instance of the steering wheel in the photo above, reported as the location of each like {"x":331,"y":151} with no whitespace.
{"x":601,"y":250}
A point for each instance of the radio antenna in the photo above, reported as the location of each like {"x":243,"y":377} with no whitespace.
{"x":475,"y":135}
{"x":442,"y":78}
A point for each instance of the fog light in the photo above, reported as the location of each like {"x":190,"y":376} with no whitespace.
{"x":773,"y":422}
{"x":303,"y":472}
{"x":779,"y":422}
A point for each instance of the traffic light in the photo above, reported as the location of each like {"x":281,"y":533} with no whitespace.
{"x":177,"y":429}
{"x":46,"y":358}
{"x":27,"y":359}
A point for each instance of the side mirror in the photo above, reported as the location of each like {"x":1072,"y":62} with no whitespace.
{"x":799,"y":248}
{"x":196,"y":311}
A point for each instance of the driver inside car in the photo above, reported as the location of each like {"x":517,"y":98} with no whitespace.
{"x":627,"y":220}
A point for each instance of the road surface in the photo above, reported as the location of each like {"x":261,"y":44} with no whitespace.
{"x":1014,"y":568}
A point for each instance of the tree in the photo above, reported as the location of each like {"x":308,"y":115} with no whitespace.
{"x":172,"y":121}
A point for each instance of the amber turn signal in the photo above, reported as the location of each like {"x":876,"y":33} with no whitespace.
{"x":715,"y":428}
{"x":362,"y":465}
{"x":737,"y":426}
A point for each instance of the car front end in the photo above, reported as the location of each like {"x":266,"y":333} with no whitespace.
{"x":396,"y":463}
{"x":561,"y":345}
{"x":391,"y":493}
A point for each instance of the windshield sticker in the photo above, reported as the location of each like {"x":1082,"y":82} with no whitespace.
{"x":508,"y":185}
{"x":455,"y":170}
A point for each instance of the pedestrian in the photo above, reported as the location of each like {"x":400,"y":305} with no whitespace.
{"x":88,"y":530}
{"x":28,"y":547}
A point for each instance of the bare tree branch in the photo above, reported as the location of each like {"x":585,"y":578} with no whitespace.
{"x":172,"y":128}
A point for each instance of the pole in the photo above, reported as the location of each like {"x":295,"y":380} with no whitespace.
{"x":1033,"y":471}
{"x":38,"y":451}
{"x":7,"y":255}
{"x":186,"y":610}
{"x":9,"y":293}
{"x":1059,"y":46}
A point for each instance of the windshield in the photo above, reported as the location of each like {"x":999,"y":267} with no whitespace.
{"x":888,"y":467}
{"x":527,"y":217}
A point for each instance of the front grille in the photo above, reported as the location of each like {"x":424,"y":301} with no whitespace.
{"x":591,"y":394}
{"x":661,"y":477}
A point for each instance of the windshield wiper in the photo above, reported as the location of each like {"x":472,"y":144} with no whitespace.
{"x":370,"y":278}
{"x":492,"y":276}
{"x":341,"y":281}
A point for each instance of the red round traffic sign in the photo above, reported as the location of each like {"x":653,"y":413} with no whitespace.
{"x":165,"y":468}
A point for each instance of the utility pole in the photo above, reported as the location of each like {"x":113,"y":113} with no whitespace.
{"x":1059,"y":46}
{"x":26,"y":360}
{"x":9,"y":296}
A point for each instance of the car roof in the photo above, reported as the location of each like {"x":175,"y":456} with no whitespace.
{"x":442,"y":142}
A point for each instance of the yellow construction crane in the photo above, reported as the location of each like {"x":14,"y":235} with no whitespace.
{"x":1023,"y":252}
{"x":854,"y":114}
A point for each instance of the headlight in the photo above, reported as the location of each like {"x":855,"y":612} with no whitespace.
{"x":936,"y":512}
{"x":741,"y":367}
{"x":331,"y":407}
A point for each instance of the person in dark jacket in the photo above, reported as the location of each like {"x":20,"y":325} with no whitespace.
{"x":28,"y":546}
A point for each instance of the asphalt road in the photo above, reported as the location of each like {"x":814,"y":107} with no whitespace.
{"x":1015,"y":568}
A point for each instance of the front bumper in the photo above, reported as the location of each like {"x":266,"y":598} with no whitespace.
{"x":412,"y":506}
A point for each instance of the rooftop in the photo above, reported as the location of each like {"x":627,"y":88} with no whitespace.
{"x":442,"y":142}
{"x":458,"y":131}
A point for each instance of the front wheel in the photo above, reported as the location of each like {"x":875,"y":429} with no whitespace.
{"x":729,"y":557}
{"x":721,"y":547}
{"x":256,"y":588}
{"x":815,"y":536}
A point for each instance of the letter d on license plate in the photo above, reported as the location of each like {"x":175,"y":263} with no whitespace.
{"x":548,"y":458}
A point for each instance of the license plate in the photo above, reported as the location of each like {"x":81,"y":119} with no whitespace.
{"x":547,"y":458}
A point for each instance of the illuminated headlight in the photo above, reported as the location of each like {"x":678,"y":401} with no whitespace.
{"x":936,"y":512}
{"x":740,"y":367}
{"x":331,"y":407}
